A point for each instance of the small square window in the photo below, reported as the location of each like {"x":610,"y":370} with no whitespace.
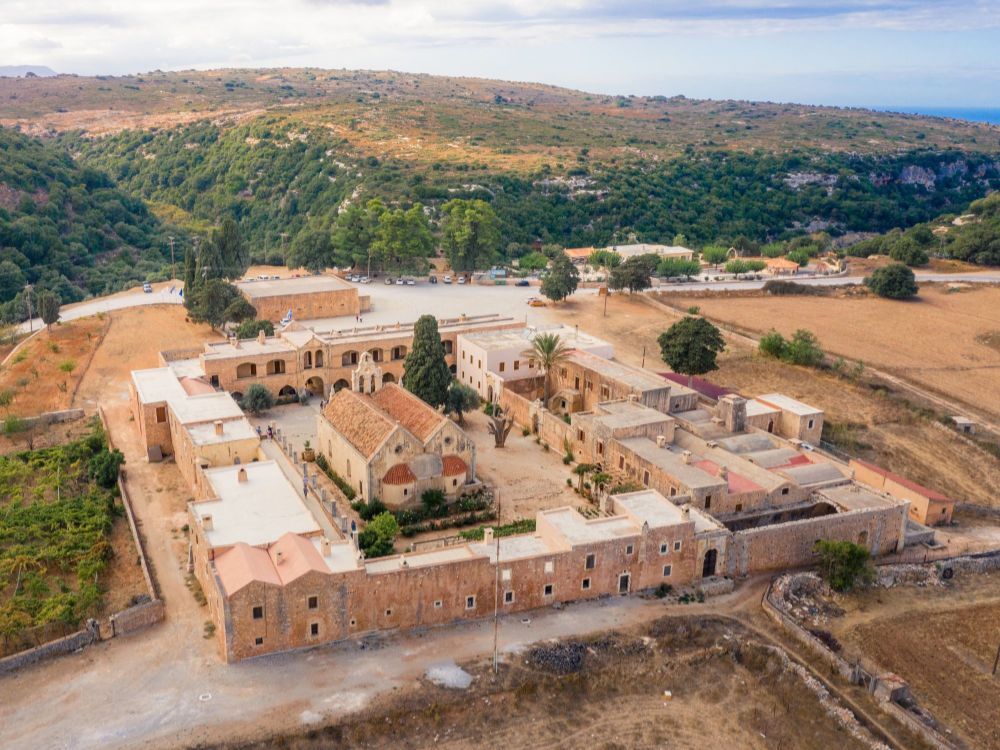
{"x":739,"y":507}
{"x":629,"y":549}
{"x":258,"y":613}
{"x":590,"y":562}
{"x":314,"y":629}
{"x":677,"y":546}
{"x":645,"y":478}
{"x":258,"y":641}
{"x":585,"y":584}
{"x":517,"y":364}
{"x":388,"y":613}
{"x":438,"y":604}
{"x":666,"y":571}
{"x":547,"y":591}
{"x":784,"y":490}
{"x":508,"y":597}
{"x":470,"y":602}
{"x":663,"y":548}
{"x":502,"y":366}
{"x":313,"y":602}
{"x":354,"y":623}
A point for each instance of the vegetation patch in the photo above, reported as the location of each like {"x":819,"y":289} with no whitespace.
{"x":57,"y":509}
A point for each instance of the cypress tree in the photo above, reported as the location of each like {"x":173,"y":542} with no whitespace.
{"x":425,"y":371}
{"x":189,"y":273}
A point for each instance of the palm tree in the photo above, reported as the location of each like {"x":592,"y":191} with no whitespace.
{"x":548,"y":350}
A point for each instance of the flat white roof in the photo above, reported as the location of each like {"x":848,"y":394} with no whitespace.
{"x":301,"y":285}
{"x":787,"y":403}
{"x":343,"y":555}
{"x":257,"y":511}
{"x":235,"y":429}
{"x":421,"y":559}
{"x":755,"y":408}
{"x":187,"y":368}
{"x":159,"y":384}
{"x":522,"y":337}
{"x":207,"y":407}
{"x":248,"y":348}
{"x":513,"y":548}
{"x":579,"y":530}
{"x":652,"y":507}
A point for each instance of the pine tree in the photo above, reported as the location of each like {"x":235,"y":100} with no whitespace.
{"x":231,"y":250}
{"x":190,"y":278}
{"x":425,"y":371}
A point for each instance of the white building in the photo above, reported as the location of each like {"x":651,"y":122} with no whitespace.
{"x":664,"y":251}
{"x":500,"y":353}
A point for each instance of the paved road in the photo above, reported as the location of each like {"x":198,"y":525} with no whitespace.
{"x":160,"y":296}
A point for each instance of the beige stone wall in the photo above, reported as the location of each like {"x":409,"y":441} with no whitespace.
{"x":343,"y":458}
{"x":151,"y":431}
{"x":789,"y":545}
{"x":594,"y":388}
{"x":329,"y":304}
{"x":922,"y":508}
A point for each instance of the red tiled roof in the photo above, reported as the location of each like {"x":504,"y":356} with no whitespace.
{"x":737,"y":482}
{"x":399,"y":474}
{"x":453,"y":466}
{"x":196,"y":386}
{"x":795,"y":461}
{"x":413,"y":413}
{"x":700,"y":385}
{"x":362,"y":424}
{"x":901,"y":480}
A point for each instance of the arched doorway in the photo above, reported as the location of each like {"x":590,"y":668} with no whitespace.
{"x":287,"y":391}
{"x":318,"y":359}
{"x":348,"y":358}
{"x":388,"y":378}
{"x":276,"y":367}
{"x":340,"y":385}
{"x":246,"y":370}
{"x":708,"y":567}
{"x":315,"y":385}
{"x":770,"y":425}
{"x":489,"y":393}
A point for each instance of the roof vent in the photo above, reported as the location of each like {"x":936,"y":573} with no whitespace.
{"x":279,"y":557}
{"x":686,"y":457}
{"x":241,"y":476}
{"x":261,"y":336}
{"x":723,"y":472}
{"x":234,"y":340}
{"x":712,"y":444}
{"x":633,"y":398}
{"x":218,"y":426}
{"x":661,"y":441}
{"x":324,"y":545}
{"x":206,"y":522}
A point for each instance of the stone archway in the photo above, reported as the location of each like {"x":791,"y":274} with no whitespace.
{"x":287,"y":391}
{"x":315,"y":386}
{"x":340,"y":385}
{"x":708,"y":567}
{"x":388,"y":378}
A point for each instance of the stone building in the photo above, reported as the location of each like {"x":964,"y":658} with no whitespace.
{"x":389,"y":444}
{"x":305,"y":297}
{"x":927,"y":506}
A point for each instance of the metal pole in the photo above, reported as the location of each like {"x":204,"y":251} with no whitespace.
{"x":173,"y":267}
{"x":496,"y":599}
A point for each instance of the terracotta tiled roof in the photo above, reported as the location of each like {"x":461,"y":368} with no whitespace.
{"x":359,"y":420}
{"x":298,"y":557}
{"x":453,"y":466}
{"x":399,"y":474}
{"x":196,"y":386}
{"x":737,"y":482}
{"x":909,"y":484}
{"x":411,"y":412}
{"x":243,"y":564}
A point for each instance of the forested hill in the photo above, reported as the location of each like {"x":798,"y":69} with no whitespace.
{"x":67,"y":228}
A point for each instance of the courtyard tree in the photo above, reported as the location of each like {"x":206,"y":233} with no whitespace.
{"x":257,"y":399}
{"x":714,"y":254}
{"x":894,"y":281}
{"x":215,"y":301}
{"x":48,"y":308}
{"x":561,"y":280}
{"x":499,"y":425}
{"x":581,"y":470}
{"x":378,"y":536}
{"x":470,"y":233}
{"x":239,"y":310}
{"x":425,"y":371}
{"x":635,"y":274}
{"x":312,"y":250}
{"x":690,"y":346}
{"x":843,"y":564}
{"x":249,"y":329}
{"x":461,"y":399}
{"x":548,"y":351}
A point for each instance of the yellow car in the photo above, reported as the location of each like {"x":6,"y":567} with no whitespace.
{"x":535,"y":302}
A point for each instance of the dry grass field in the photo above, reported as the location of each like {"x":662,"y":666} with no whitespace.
{"x":608,"y":693}
{"x":942,"y":641}
{"x":947,"y":342}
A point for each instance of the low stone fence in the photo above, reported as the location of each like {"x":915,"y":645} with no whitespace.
{"x":136,"y":618}
{"x":65,"y":645}
{"x":54,"y":417}
{"x":777,"y":607}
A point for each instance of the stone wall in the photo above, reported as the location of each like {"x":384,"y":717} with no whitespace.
{"x":790,"y":545}
{"x":137,"y":618}
{"x":326,"y":304}
{"x":59,"y":647}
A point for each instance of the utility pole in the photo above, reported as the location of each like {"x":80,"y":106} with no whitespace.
{"x":173,"y":268}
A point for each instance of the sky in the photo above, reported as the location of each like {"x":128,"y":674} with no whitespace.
{"x":842,"y":52}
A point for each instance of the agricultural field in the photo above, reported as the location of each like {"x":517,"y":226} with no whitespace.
{"x":608,"y":692}
{"x":61,"y":539}
{"x":942,"y":640}
{"x":947,"y":340}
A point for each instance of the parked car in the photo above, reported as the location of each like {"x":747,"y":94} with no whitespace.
{"x":447,"y":279}
{"x":147,"y":288}
{"x":400,"y":282}
{"x":388,"y":280}
{"x":536,"y":302}
{"x":365,"y":280}
{"x":411,"y":282}
{"x":461,"y":279}
{"x":522,"y":282}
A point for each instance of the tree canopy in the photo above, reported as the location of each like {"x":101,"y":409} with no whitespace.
{"x":257,"y":399}
{"x":547,"y":351}
{"x":470,"y":234}
{"x":894,"y":281}
{"x":690,"y":346}
{"x":425,"y":371}
{"x":312,"y":250}
{"x":402,"y":240}
{"x":561,"y":280}
{"x":634,"y":274}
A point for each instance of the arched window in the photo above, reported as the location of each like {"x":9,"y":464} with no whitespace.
{"x":349,"y":358}
{"x":318,"y":358}
{"x":246,"y":370}
{"x":307,"y":361}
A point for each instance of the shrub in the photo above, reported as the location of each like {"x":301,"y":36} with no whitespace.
{"x":249,"y":329}
{"x":778,"y":287}
{"x":377,"y":538}
{"x":347,"y":489}
{"x":432,"y":499}
{"x":257,"y":399}
{"x":772,"y":344}
{"x":371,"y":509}
{"x":803,"y":349}
{"x":800,"y":256}
{"x":663,"y":590}
{"x":842,"y":564}
{"x":894,"y":281}
{"x":103,"y":467}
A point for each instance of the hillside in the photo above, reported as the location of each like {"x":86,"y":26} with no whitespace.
{"x":67,"y":228}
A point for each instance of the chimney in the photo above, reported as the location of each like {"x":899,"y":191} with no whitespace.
{"x":279,"y":557}
{"x":661,"y":441}
{"x":206,"y":522}
{"x":218,"y":426}
{"x":723,"y":472}
{"x":242,"y":475}
{"x":324,"y":546}
{"x":488,"y":536}
{"x":235,"y":341}
{"x":686,"y":457}
{"x":687,"y":511}
{"x":261,"y":336}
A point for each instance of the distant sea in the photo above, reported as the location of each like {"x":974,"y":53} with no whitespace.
{"x":976,"y":114}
